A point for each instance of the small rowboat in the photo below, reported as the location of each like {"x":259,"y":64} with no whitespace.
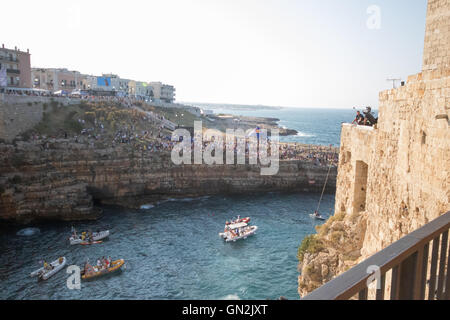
{"x":96,"y":236}
{"x":317,"y":217}
{"x":46,"y":274}
{"x":115,"y":266}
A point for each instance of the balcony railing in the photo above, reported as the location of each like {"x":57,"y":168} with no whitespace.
{"x":415,"y":274}
{"x":9,"y":59}
{"x":15,"y":71}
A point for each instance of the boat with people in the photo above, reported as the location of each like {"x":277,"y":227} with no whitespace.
{"x":237,"y":231}
{"x":104,"y":266}
{"x":238,"y":220}
{"x":49,"y":269}
{"x":88,"y":238}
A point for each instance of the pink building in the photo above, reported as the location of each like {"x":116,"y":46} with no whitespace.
{"x":18,"y":67}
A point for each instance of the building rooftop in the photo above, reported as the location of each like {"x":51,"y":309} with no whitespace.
{"x":14,"y":50}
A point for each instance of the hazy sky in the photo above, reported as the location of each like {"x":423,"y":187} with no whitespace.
{"x":315,"y":53}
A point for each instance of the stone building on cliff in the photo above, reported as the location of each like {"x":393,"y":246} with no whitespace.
{"x":393,"y":178}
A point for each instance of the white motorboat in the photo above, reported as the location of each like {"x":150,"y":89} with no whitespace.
{"x":238,"y":231}
{"x":56,"y":266}
{"x":318,"y":217}
{"x":96,"y":236}
{"x":239,"y":220}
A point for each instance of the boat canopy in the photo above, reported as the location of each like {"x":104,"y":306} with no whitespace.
{"x":237,"y":225}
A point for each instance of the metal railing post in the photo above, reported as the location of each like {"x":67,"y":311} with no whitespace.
{"x":407,"y":277}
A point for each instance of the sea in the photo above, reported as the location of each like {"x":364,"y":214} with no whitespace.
{"x":319,"y":126}
{"x":172,"y":249}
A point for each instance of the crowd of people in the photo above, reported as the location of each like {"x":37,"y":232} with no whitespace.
{"x":153,"y":140}
{"x":156,"y":138}
{"x":317,"y":155}
{"x":126,"y":101}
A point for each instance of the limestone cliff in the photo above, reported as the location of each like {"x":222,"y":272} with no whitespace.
{"x":393,"y":178}
{"x":334,"y":249}
{"x":63,"y":180}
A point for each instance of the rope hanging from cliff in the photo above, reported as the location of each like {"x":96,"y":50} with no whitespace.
{"x":324,"y":186}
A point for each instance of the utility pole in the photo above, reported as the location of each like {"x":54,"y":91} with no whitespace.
{"x":393,"y":82}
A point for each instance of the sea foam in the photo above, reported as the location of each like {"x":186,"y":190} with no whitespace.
{"x":305,"y":135}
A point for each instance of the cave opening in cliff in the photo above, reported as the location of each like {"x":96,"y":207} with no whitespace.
{"x":360,"y":191}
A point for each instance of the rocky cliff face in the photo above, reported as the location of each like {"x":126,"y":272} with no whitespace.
{"x":63,"y":179}
{"x":394,"y":176}
{"x":333,"y":250}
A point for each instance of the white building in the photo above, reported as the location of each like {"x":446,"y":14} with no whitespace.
{"x":140,"y":90}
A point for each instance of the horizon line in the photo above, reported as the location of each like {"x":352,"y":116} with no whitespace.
{"x":268,"y":106}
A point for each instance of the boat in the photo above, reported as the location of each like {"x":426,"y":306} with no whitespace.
{"x":238,"y":220}
{"x":319,"y":217}
{"x":316,"y":215}
{"x":237,"y":231}
{"x":96,"y":236}
{"x":96,"y":273}
{"x":57,"y":265}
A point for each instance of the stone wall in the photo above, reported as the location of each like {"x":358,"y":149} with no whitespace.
{"x":21,"y":113}
{"x":437,"y":36}
{"x":19,"y":117}
{"x":408,"y":164}
{"x":356,"y":147}
{"x":409,"y":179}
{"x":63,"y":180}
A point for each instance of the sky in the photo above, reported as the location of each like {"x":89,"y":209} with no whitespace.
{"x":293,"y":53}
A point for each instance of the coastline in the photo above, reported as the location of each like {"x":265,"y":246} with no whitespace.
{"x":62,"y":157}
{"x":67,"y":180}
{"x":248,"y":123}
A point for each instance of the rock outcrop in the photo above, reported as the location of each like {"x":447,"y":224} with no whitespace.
{"x":334,"y":249}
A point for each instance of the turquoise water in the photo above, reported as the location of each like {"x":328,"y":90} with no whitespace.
{"x":315,"y":126}
{"x":172,"y":251}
